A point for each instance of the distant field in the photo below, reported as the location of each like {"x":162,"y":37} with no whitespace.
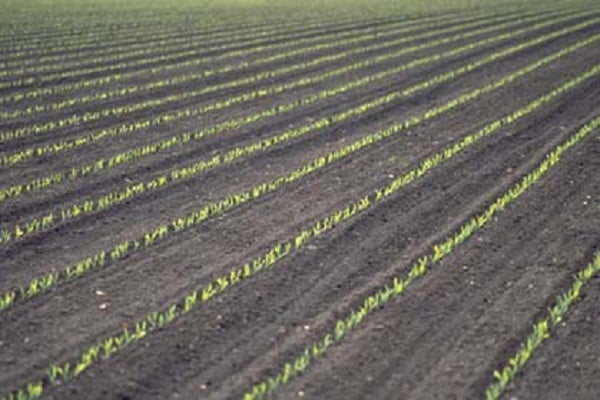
{"x":327,"y":200}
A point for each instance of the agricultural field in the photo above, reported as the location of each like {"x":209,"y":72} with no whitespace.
{"x":331,"y":200}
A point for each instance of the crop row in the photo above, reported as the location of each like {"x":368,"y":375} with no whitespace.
{"x":155,"y":102}
{"x":73,"y":31}
{"x":109,"y":200}
{"x":60,"y":373}
{"x":20,"y":44}
{"x":130,"y":127}
{"x":178,"y":45}
{"x":21,"y":56}
{"x":323,"y":43}
{"x":81,"y":44}
{"x":398,"y":285}
{"x":143,"y":39}
{"x":541,"y":329}
{"x":170,"y":116}
{"x":92,"y":82}
{"x":101,"y":81}
{"x":181,"y":139}
{"x":24,"y":35}
{"x":103,"y":258}
{"x":191,"y":22}
{"x":232,"y":48}
{"x":53,"y":27}
{"x":172,"y":41}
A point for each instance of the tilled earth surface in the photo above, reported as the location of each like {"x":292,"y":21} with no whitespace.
{"x":443,"y":338}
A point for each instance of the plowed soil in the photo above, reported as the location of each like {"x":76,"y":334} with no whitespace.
{"x":442,"y":339}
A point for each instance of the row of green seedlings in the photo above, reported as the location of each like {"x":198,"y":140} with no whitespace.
{"x":103,"y":258}
{"x":55,"y":27}
{"x":12,"y":39}
{"x":59,"y":373}
{"x":159,"y":49}
{"x":140,"y":39}
{"x":256,"y":93}
{"x":107,"y":201}
{"x":82,"y":40}
{"x":185,"y":50}
{"x":541,"y":330}
{"x":154,"y":43}
{"x":343,"y":326}
{"x":171,"y":116}
{"x":72,"y":86}
{"x":128,"y":128}
{"x":104,"y":80}
{"x":133,"y":41}
{"x":40,"y":45}
{"x":341,"y":39}
{"x":238,"y":66}
{"x":81,"y":29}
{"x":240,"y":47}
{"x":181,"y":139}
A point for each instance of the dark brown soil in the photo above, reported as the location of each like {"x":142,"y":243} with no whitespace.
{"x":567,"y":367}
{"x":441,"y":340}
